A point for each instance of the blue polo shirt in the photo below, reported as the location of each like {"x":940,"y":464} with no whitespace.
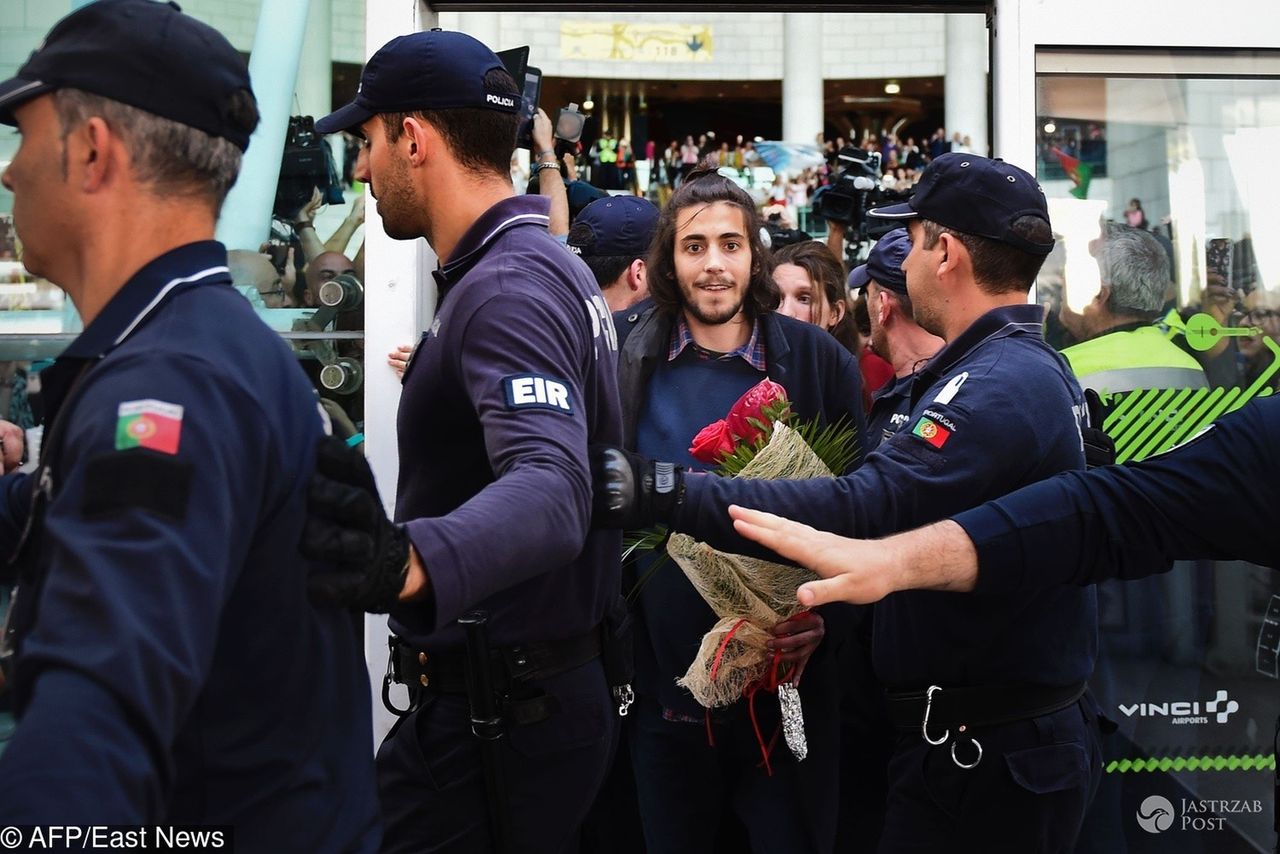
{"x":995,"y":409}
{"x":517,"y":375}
{"x":170,"y":667}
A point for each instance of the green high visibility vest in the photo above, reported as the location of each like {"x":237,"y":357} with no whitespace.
{"x":1137,"y":358}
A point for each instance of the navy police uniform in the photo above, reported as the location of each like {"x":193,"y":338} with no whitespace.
{"x":994,"y":410}
{"x":169,"y":666}
{"x":890,"y":410}
{"x":516,"y":376}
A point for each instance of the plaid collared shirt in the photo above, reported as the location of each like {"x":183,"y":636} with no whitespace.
{"x":752,"y":351}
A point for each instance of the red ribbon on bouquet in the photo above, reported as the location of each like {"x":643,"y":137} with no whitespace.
{"x":768,"y":683}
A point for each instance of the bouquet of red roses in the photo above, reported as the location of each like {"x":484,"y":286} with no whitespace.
{"x":750,"y":420}
{"x":751,"y":595}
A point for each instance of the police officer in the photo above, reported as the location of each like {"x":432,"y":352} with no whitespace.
{"x":895,"y":335}
{"x":998,"y":746}
{"x":612,"y":236}
{"x":167,"y":665}
{"x":516,"y":375}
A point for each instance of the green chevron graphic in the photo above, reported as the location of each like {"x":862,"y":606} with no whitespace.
{"x":1257,"y":762}
{"x":1147,"y":421}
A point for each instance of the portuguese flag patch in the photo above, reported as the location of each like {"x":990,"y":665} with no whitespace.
{"x":150,"y":424}
{"x":931,"y":431}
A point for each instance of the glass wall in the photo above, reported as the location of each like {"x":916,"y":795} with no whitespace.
{"x":1180,"y":147}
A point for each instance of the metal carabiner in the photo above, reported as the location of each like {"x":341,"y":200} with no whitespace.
{"x":924,"y":724}
{"x":392,"y":675}
{"x":975,"y":762}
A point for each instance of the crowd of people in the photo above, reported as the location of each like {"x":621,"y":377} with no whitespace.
{"x":193,"y":554}
{"x":609,"y":164}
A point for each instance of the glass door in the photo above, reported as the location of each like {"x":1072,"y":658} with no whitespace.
{"x":1164,"y":294}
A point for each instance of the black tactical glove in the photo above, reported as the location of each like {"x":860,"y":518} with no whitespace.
{"x":630,"y":491}
{"x":1099,"y":448}
{"x":346,"y":527}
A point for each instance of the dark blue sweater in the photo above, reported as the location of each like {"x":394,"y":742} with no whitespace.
{"x":685,"y":395}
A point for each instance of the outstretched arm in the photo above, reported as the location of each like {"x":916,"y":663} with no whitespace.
{"x":937,"y":557}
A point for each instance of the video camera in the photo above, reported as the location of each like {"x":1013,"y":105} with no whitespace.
{"x":855,"y":190}
{"x":780,"y":235}
{"x":307,"y":165}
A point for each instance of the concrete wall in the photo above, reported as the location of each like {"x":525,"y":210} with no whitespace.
{"x":745,"y":46}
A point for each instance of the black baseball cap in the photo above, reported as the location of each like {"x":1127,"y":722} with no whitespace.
{"x":617,"y":225}
{"x":145,"y":54}
{"x":976,"y":195}
{"x":433,"y":70}
{"x":884,"y":264}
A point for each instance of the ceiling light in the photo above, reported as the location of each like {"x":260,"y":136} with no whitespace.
{"x":892,"y":88}
{"x":588,"y":104}
{"x":1050,"y":127}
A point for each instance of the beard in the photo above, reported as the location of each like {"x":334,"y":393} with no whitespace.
{"x":879,"y":341}
{"x":709,"y":312}
{"x":401,"y":215}
{"x":927,"y":318}
{"x":717,"y":316}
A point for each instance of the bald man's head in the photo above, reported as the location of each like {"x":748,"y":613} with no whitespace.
{"x":327,"y":266}
{"x":254,"y":268}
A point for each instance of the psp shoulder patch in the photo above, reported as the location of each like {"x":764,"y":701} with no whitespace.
{"x":536,"y":391}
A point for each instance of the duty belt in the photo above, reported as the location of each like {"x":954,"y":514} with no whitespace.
{"x":937,"y":712}
{"x":445,"y":671}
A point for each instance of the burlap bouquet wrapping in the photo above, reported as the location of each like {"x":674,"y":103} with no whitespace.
{"x":748,"y":594}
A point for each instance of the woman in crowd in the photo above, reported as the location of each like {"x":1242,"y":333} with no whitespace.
{"x":812,"y":285}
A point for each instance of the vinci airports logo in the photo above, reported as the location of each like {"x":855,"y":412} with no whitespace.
{"x":1185,"y":711}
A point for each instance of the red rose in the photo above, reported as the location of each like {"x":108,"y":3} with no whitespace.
{"x":712,"y":443}
{"x":764,"y":402}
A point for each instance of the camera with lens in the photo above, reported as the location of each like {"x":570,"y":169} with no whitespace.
{"x":855,"y":190}
{"x":781,"y":234}
{"x":306,"y":165}
{"x":569,"y":124}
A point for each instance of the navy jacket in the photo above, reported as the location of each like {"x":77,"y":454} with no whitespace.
{"x":890,"y":410}
{"x":170,"y":666}
{"x":1133,"y":520}
{"x":516,"y":376}
{"x":994,"y":410}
